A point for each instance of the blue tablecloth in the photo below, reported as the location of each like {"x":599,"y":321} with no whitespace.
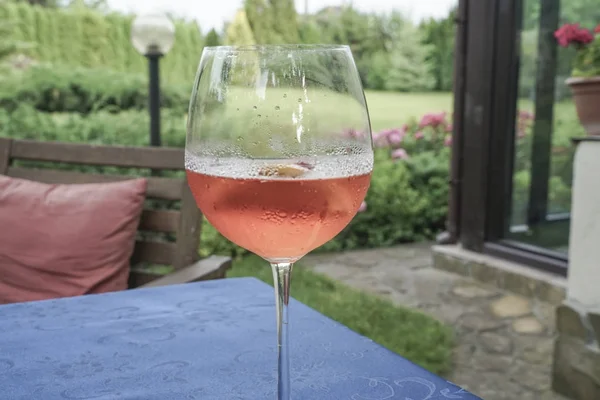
{"x":209,"y":340}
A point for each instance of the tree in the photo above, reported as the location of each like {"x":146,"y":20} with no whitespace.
{"x":273,"y":21}
{"x":348,"y":26}
{"x":439,"y":35}
{"x":401,"y":65}
{"x":212,"y":38}
{"x":284,"y":21}
{"x":260,"y":17}
{"x":309,"y":32}
{"x":238,"y":31}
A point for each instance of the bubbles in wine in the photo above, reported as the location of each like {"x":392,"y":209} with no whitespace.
{"x":321,"y":167}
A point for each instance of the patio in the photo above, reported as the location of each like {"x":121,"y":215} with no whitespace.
{"x":504,"y":342}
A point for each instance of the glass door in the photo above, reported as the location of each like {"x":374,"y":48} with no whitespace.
{"x":546,"y":122}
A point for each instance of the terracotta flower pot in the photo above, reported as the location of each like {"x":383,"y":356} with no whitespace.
{"x":586,"y":94}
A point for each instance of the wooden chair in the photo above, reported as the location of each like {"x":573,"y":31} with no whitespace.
{"x":184,"y":223}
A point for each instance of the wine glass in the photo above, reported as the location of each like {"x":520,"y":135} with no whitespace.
{"x":279,"y":154}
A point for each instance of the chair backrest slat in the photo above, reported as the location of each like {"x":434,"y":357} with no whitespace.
{"x":189,"y":229}
{"x":164,"y":221}
{"x":5,"y":145}
{"x":118,"y":156}
{"x":154,"y":252}
{"x":157,"y":226}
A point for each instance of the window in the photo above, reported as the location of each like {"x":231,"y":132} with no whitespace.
{"x":514,"y":170}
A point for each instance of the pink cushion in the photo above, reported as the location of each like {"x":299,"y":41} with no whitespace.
{"x":66,"y":240}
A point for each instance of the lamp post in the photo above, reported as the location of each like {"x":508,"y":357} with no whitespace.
{"x":153,"y":35}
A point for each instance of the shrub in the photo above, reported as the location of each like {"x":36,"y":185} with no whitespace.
{"x":70,"y":89}
{"x":126,"y":128}
{"x":398,"y":211}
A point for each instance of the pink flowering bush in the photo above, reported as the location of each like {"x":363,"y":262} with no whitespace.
{"x":423,"y":145}
{"x":422,"y":148}
{"x":408,"y":197}
{"x":587,"y":44}
{"x":432,"y":132}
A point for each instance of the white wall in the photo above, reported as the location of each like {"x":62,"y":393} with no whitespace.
{"x":583,"y":284}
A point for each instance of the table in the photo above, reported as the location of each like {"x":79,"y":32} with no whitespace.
{"x":208,"y":340}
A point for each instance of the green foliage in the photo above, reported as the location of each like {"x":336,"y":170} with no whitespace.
{"x":12,"y":46}
{"x":348,"y":26}
{"x":399,"y":205}
{"x":401,"y":64}
{"x":238,"y":32}
{"x":566,"y":125}
{"x":107,"y":107}
{"x":377,"y":73}
{"x":260,"y":17}
{"x":8,"y":45}
{"x":66,"y":89}
{"x":127,"y":128}
{"x":408,"y":196}
{"x":272,"y":21}
{"x":439,"y":37}
{"x":409,"y":70}
{"x":418,"y":337}
{"x":584,"y":12}
{"x":212,"y":38}
{"x":587,"y":61}
{"x":388,"y":49}
{"x":309,"y":32}
{"x":83,"y":36}
{"x":283,"y":21}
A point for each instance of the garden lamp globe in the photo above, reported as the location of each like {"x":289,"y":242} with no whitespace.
{"x":152,"y":34}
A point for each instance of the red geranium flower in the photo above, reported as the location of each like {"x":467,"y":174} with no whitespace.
{"x":597,"y":29}
{"x":572,"y":34}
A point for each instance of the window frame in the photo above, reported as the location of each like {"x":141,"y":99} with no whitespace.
{"x":485,"y":106}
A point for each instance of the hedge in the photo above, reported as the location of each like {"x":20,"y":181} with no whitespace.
{"x":83,"y":90}
{"x":88,"y":38}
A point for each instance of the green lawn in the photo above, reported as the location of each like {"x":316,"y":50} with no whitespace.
{"x":326,"y":112}
{"x":391,"y":110}
{"x":415,"y":336}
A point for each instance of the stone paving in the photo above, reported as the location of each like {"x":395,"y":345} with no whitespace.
{"x":504,"y":342}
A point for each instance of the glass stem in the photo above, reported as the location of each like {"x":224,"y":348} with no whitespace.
{"x":282,"y":274}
